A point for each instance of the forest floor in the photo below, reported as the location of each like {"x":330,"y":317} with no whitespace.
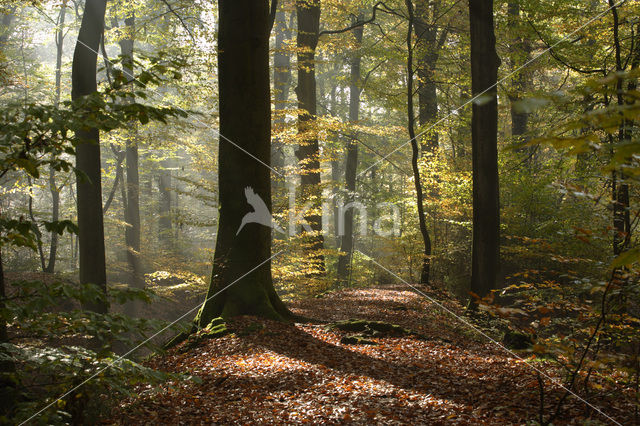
{"x":275,"y":373}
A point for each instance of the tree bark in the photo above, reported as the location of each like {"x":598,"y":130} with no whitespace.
{"x":426,"y":239}
{"x":308,"y":153}
{"x":351,"y":164}
{"x":241,"y":266}
{"x":485,"y":257}
{"x":89,"y":190}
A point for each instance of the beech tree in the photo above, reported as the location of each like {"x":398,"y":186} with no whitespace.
{"x":351,"y":162}
{"x":422,"y":221}
{"x":308,"y":153}
{"x":132,"y":205}
{"x":241,"y":281}
{"x":89,"y":186}
{"x":485,"y":257}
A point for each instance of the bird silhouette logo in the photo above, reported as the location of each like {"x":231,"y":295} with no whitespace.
{"x":260,"y":213}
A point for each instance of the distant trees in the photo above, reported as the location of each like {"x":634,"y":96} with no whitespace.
{"x":485,"y":257}
{"x":89,"y":186}
{"x":241,"y":281}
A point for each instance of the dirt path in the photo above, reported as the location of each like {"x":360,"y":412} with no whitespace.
{"x":273,"y":373}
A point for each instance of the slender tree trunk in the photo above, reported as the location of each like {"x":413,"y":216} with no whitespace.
{"x":428,"y":50}
{"x":3,"y":295}
{"x":426,"y":239}
{"x":485,"y":258}
{"x":281,"y":83}
{"x":132,"y":210}
{"x":519,"y":54}
{"x":620,"y":188}
{"x":308,"y":153}
{"x":164,"y":220}
{"x":336,"y":171}
{"x":351,"y":164}
{"x":89,"y":190}
{"x":241,"y":281}
{"x":53,"y":186}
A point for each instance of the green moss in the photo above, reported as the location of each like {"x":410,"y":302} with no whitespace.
{"x":216,"y":328}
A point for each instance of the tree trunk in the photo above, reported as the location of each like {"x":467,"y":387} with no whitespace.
{"x":3,"y":322}
{"x":351,"y":165}
{"x":426,"y":239}
{"x":53,"y":187}
{"x":620,"y":187}
{"x":132,"y":210}
{"x":427,"y":48}
{"x":164,"y":210}
{"x":519,"y":55}
{"x":241,"y":281}
{"x":336,"y":171}
{"x":485,"y":257}
{"x":89,"y":190}
{"x":308,"y":153}
{"x":281,"y":83}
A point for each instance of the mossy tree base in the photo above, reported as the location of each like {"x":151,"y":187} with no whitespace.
{"x":216,"y":328}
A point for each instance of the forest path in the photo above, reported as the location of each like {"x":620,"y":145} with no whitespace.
{"x":275,"y":373}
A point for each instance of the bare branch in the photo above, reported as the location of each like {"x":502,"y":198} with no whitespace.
{"x":180,"y":19}
{"x":378,"y":6}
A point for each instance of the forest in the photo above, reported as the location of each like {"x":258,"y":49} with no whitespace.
{"x":320,"y":211}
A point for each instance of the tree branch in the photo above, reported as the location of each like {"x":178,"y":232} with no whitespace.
{"x":180,"y":19}
{"x":558,"y":58}
{"x":378,"y":6}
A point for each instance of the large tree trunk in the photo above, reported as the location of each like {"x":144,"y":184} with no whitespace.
{"x":426,"y":239}
{"x":485,"y":258}
{"x":132,"y":210}
{"x":89,"y":197}
{"x":308,"y":153}
{"x":241,"y":266}
{"x":351,"y":165}
{"x":53,"y":187}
